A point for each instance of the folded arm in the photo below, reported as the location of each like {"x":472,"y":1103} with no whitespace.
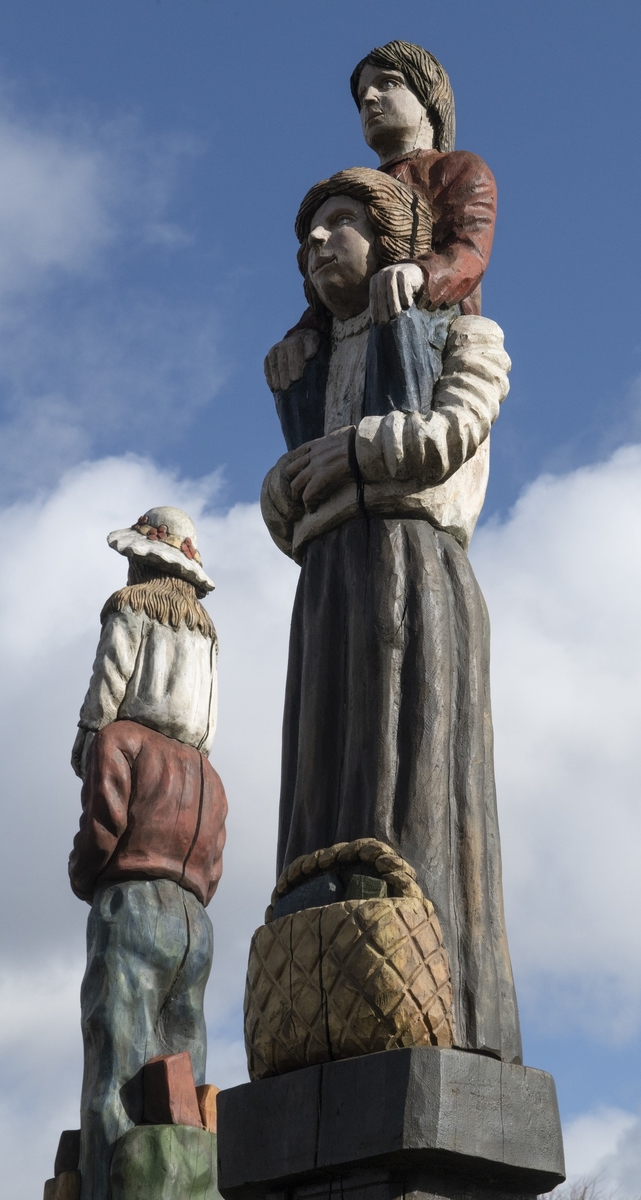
{"x":430,"y":448}
{"x":279,"y":507}
{"x":425,"y":449}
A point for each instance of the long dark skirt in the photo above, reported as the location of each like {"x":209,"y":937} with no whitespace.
{"x":388,"y":734}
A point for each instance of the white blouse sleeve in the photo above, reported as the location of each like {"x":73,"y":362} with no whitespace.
{"x":113,"y":667}
{"x":467,"y":398}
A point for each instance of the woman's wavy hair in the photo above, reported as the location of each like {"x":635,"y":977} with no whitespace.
{"x":425,"y":77}
{"x":400,"y":219}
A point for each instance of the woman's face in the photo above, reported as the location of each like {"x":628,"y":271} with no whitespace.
{"x":341,"y":256}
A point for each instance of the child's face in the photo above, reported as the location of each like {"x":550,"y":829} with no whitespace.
{"x":391,"y":115}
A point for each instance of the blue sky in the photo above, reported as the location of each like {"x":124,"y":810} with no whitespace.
{"x":152,"y":158}
{"x":251,"y":102}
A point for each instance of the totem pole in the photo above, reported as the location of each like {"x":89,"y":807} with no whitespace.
{"x":381,"y":1021}
{"x":147,"y":858}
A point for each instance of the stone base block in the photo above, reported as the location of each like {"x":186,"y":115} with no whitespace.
{"x":425,"y":1122}
{"x":164,"y":1162}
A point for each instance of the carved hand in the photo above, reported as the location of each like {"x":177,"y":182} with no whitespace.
{"x":286,"y":360}
{"x":393,"y":289}
{"x":320,"y":468}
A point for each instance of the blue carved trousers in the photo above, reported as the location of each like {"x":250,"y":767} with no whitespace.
{"x":149,"y":954}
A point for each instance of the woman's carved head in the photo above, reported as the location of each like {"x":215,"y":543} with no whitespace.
{"x":349,"y":227}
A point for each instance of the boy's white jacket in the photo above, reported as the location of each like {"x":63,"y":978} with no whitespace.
{"x":162,"y":677}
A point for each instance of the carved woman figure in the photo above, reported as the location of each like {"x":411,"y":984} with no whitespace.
{"x":387,"y":724}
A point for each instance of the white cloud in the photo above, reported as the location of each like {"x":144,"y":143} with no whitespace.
{"x":57,"y":573}
{"x":27,"y":994}
{"x":592,"y":1138}
{"x":53,"y":207}
{"x":603,"y":1150}
{"x":131,"y":370}
{"x":70,"y":188}
{"x":619,"y":1171}
{"x":561,"y":576}
{"x":87,"y":349}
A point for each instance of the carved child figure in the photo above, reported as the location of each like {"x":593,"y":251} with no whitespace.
{"x":148,"y":855}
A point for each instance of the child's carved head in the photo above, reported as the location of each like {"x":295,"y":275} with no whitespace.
{"x":400,"y":90}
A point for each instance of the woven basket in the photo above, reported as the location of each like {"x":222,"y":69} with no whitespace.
{"x":349,"y":978}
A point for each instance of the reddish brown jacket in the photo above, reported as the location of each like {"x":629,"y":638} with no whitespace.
{"x":152,"y":808}
{"x":461,"y":191}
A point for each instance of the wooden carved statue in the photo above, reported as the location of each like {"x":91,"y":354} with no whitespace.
{"x":386,"y":392}
{"x":148,"y":855}
{"x":406,"y":108}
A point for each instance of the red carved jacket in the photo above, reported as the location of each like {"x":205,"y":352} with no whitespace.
{"x":461,"y":191}
{"x":152,"y":808}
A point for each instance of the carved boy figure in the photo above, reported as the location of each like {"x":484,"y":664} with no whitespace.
{"x":387,"y":730}
{"x":406,"y":107}
{"x":148,"y":855}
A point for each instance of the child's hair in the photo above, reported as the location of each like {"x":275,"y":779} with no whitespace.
{"x":164,"y":598}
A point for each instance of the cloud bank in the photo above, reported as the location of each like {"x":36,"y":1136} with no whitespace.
{"x":89,"y":356}
{"x":561,"y":576}
{"x":57,"y":574}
